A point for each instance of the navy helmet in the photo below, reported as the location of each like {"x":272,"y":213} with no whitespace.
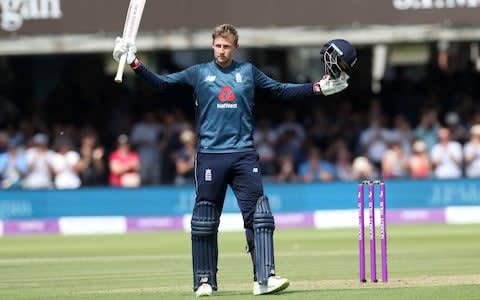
{"x":338,"y":56}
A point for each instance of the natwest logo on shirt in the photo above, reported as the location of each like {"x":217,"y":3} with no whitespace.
{"x":227,"y":95}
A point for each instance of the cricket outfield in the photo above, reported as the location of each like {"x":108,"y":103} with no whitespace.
{"x":425,"y":262}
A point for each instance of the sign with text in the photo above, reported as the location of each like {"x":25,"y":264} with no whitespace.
{"x":15,"y":12}
{"x":47,"y":17}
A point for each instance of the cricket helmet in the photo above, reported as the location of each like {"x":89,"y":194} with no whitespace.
{"x":338,"y":56}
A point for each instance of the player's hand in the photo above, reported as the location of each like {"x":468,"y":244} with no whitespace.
{"x":122,"y":47}
{"x":328,"y":86}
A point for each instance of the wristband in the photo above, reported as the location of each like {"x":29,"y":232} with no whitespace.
{"x":135,"y":64}
{"x":317,"y":90}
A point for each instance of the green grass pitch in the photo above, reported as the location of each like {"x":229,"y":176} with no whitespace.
{"x":425,"y":262}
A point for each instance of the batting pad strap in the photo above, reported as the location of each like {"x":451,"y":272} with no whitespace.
{"x":264,"y":225}
{"x":204,"y":225}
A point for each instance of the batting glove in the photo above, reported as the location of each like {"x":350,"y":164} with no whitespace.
{"x":122,"y":47}
{"x":328,"y":86}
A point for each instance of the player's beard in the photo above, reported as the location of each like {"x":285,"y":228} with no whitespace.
{"x":223,"y":60}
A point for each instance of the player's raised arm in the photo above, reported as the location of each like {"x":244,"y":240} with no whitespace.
{"x":122,"y":47}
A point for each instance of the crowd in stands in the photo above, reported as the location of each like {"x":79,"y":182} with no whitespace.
{"x":99,"y":134}
{"x":160,"y":149}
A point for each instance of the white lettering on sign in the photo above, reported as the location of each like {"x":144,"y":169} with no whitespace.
{"x":434,"y":4}
{"x":14,"y":12}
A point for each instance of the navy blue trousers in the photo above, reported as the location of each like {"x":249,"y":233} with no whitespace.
{"x":214,"y":172}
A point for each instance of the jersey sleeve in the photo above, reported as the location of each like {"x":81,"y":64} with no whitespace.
{"x":186,"y":77}
{"x":279,"y":89}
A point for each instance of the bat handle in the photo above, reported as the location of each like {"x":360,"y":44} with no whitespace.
{"x":121,"y":67}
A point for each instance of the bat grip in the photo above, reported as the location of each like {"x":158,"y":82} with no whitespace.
{"x":121,"y":67}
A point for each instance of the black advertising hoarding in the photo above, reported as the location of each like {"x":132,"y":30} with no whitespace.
{"x":54,"y":17}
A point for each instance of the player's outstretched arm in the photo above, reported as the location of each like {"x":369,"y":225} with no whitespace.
{"x":183,"y":78}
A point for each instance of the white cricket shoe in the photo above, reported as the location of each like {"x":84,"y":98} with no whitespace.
{"x":275,"y":284}
{"x":205,"y":290}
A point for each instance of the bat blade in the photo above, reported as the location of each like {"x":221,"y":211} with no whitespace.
{"x":130,"y":30}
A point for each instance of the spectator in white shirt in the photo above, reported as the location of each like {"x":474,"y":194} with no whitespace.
{"x":471,"y":152}
{"x":39,"y":159}
{"x":446,"y":156}
{"x":66,"y":165}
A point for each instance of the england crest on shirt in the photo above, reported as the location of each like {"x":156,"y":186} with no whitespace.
{"x":238,"y":77}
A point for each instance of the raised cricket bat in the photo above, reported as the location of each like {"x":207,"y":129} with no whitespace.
{"x":132,"y":22}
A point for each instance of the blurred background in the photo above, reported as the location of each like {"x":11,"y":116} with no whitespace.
{"x":416,"y":77}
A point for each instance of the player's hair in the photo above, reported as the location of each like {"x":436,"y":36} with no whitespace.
{"x":223,"y":30}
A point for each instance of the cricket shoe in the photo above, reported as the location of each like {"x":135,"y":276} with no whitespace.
{"x":205,"y":290}
{"x":275,"y":284}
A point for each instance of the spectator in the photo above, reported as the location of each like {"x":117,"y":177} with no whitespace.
{"x":289,"y":144}
{"x":265,"y":140}
{"x":363,"y":169}
{"x":145,"y":138}
{"x":374,"y":141}
{"x":169,"y":143}
{"x":13,"y":166}
{"x":185,"y":158}
{"x":66,"y":165}
{"x":23,"y":133}
{"x":419,"y":162}
{"x":394,"y":162}
{"x":39,"y":160}
{"x":402,"y":133}
{"x":471,"y":152}
{"x":124,"y":164}
{"x":93,"y":169}
{"x":339,"y":153}
{"x":292,"y":127}
{"x":319,"y":127}
{"x":315,"y":169}
{"x":287,"y":169}
{"x":446,"y":156}
{"x":427,"y":129}
{"x":458,"y":131}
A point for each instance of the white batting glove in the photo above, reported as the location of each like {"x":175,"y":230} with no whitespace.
{"x":328,"y":86}
{"x":122,"y":47}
